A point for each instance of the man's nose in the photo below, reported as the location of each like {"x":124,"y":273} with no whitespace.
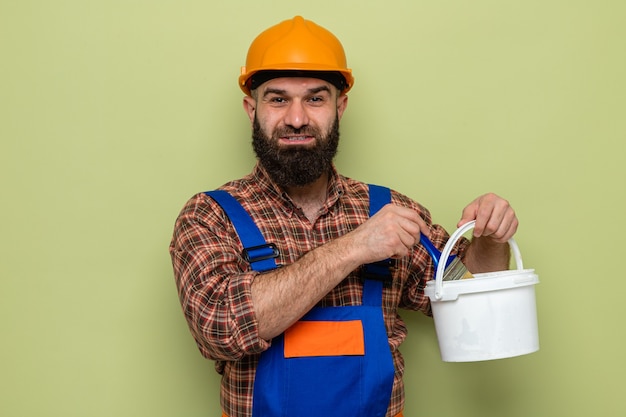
{"x":296,"y":115}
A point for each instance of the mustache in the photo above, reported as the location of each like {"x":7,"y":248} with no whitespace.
{"x":304,"y":130}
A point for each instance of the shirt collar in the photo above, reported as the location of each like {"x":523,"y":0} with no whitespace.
{"x":336,"y":186}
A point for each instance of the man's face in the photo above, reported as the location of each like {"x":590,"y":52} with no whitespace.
{"x":295,"y":128}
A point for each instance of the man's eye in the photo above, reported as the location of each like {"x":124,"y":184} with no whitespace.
{"x":277,"y":100}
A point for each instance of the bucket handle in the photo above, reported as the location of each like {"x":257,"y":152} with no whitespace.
{"x":445,"y":253}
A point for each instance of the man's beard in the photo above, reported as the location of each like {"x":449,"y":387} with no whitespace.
{"x":296,"y":166}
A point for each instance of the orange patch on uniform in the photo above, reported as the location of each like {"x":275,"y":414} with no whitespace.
{"x":324,"y":338}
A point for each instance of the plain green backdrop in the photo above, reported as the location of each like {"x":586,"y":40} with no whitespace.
{"x":113,"y":113}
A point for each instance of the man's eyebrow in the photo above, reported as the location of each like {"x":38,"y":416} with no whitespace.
{"x":279,"y":91}
{"x":319,"y":89}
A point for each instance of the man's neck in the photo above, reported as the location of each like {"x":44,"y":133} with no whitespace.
{"x":311,"y":197}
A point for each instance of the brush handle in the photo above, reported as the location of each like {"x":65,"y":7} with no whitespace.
{"x":433,"y":251}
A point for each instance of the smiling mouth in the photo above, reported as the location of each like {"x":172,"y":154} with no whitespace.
{"x":297,"y":139}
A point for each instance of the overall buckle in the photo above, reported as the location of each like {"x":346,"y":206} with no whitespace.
{"x":260,"y":253}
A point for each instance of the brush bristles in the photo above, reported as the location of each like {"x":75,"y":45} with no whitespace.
{"x":456,"y":270}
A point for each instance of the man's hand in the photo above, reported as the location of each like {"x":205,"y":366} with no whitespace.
{"x":496,"y":223}
{"x":494,"y":216}
{"x":390,"y":233}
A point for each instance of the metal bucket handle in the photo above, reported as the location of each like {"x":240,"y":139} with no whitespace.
{"x":445,"y":253}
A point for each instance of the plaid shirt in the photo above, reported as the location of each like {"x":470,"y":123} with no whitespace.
{"x":214,"y":280}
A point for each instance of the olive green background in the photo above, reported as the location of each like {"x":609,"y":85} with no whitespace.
{"x":113,"y":113}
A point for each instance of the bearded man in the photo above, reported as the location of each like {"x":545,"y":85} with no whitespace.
{"x":291,"y":278}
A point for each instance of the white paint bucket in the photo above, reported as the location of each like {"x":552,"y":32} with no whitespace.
{"x":490,"y":316}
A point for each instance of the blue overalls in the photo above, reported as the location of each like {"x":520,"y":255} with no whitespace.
{"x":335,"y":361}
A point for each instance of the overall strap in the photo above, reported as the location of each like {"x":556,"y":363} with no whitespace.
{"x":376,"y":274}
{"x":379,"y":197}
{"x":256,"y":250}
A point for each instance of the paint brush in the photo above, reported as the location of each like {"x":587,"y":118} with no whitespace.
{"x":454,"y":270}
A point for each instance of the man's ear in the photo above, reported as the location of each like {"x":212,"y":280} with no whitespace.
{"x":342,"y":103}
{"x":249,"y":105}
